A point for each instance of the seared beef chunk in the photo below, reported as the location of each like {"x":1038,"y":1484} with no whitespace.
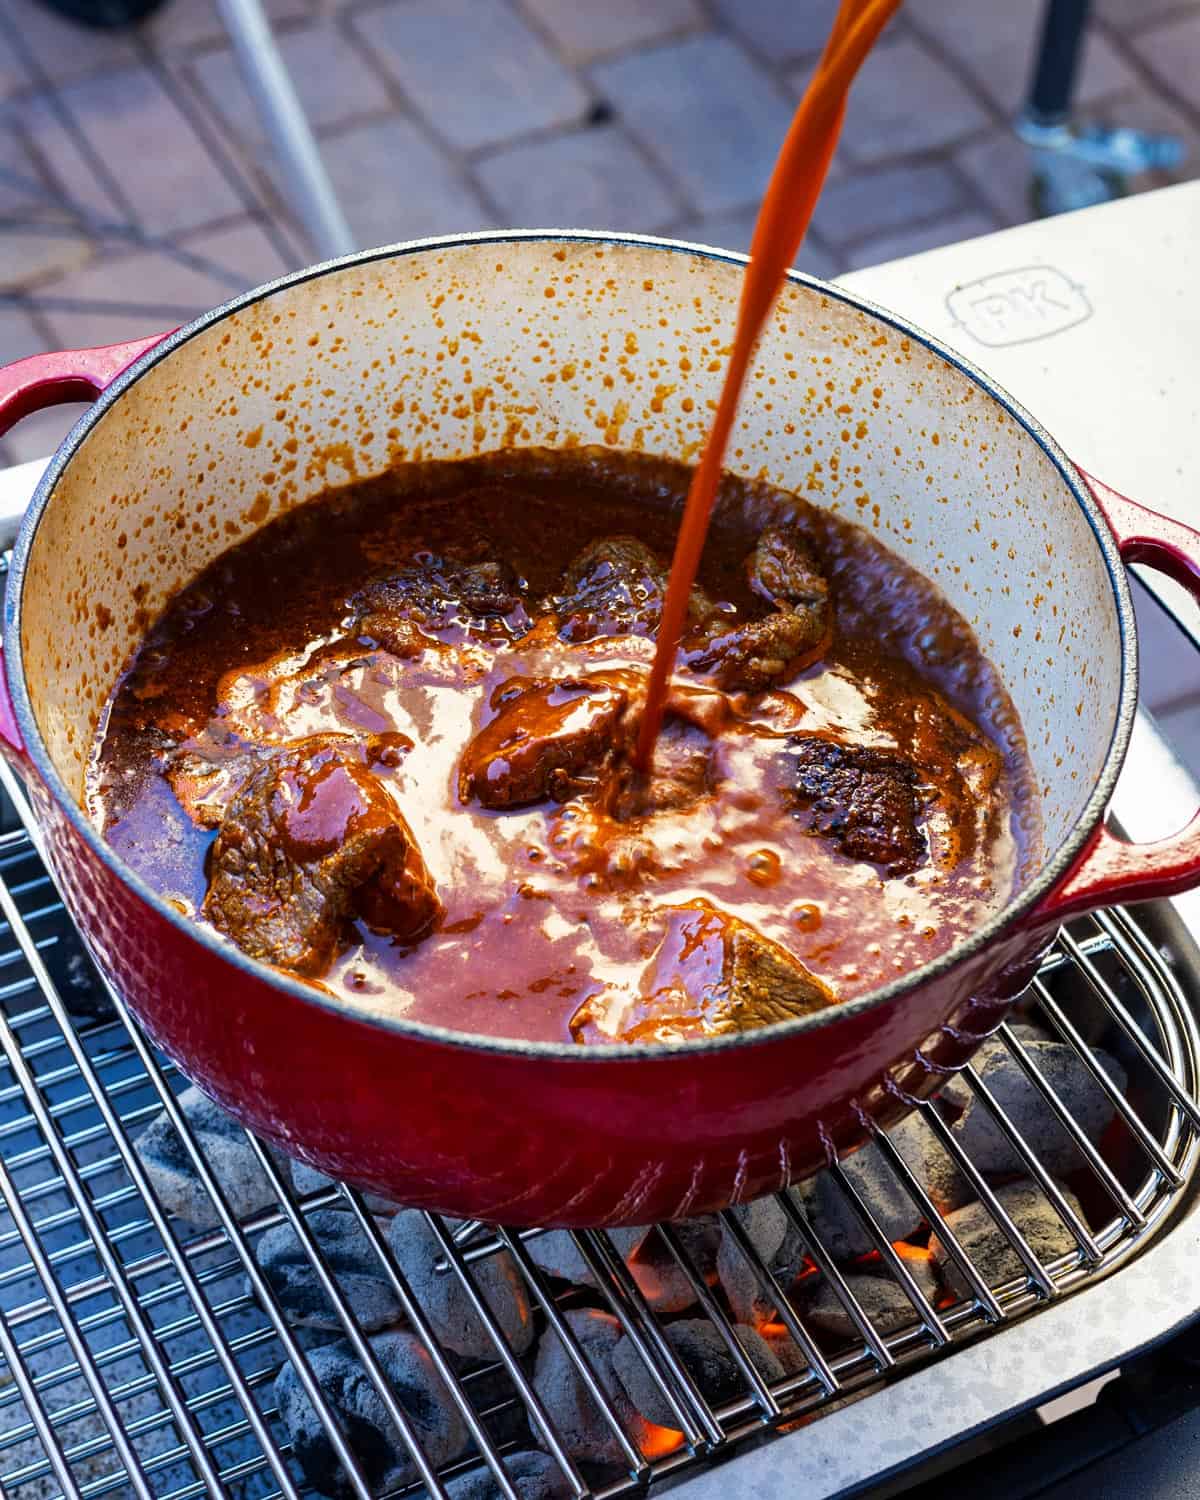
{"x":543,"y":739}
{"x":439,"y":593}
{"x":865,"y":799}
{"x":711,"y":975}
{"x":615,"y":586}
{"x":311,"y":840}
{"x":682,"y":773}
{"x":783,"y":571}
{"x":206,"y":777}
{"x":752,"y":654}
{"x":208,"y":771}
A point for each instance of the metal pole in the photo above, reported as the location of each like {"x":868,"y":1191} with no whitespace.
{"x":1057,"y":61}
{"x":287,"y":126}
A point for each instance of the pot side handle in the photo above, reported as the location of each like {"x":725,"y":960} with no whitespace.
{"x":27,"y":386}
{"x":1109,"y":869}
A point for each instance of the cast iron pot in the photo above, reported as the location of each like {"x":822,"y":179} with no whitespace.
{"x":453,"y":347}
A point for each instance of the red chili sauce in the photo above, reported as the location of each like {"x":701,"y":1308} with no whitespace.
{"x":386,"y":745}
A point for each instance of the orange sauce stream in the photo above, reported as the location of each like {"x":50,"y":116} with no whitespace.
{"x":787,"y":207}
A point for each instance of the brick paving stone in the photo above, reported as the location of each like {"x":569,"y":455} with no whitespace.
{"x":878,"y":202}
{"x":19,"y":334}
{"x":582,"y":32}
{"x":171,"y":290}
{"x":733,"y":232}
{"x":70,"y":167}
{"x":590,"y":179}
{"x":473,"y":68}
{"x":244,"y":250}
{"x":998,"y":168}
{"x":60,"y":49}
{"x":904,"y":100}
{"x":818,"y":262}
{"x":425,"y":191}
{"x":37,"y":435}
{"x":963,"y":226}
{"x":1129,"y":15}
{"x":1181,"y":725}
{"x":186,"y":24}
{"x":1171,"y":51}
{"x":164,"y":168}
{"x":14,"y":76}
{"x":1104,"y":70}
{"x":23,"y":190}
{"x":997,"y":44}
{"x":83,"y":327}
{"x":334,"y":82}
{"x":780,"y":30}
{"x":1168,"y":670}
{"x":706,"y":111}
{"x":705,"y":86}
{"x":32,"y":254}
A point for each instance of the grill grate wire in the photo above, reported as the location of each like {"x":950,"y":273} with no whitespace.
{"x":138,"y":1357}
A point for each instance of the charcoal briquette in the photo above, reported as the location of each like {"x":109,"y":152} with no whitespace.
{"x":228,"y":1153}
{"x":373,"y":1436}
{"x":358,"y":1271}
{"x":989,"y":1247}
{"x":444,"y":1299}
{"x":881,"y":1297}
{"x":534,"y":1476}
{"x":708,"y":1360}
{"x":577,"y":1418}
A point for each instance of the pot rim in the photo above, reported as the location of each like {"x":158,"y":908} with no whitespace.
{"x":992,"y":930}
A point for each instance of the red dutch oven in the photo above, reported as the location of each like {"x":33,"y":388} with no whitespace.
{"x":442,"y":349}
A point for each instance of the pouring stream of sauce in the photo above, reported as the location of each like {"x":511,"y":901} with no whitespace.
{"x":783,"y":219}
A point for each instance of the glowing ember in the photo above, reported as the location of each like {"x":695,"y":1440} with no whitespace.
{"x":657,"y":1442}
{"x":911,"y":1252}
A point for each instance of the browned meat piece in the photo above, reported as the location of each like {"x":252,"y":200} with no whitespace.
{"x":206,"y":774}
{"x":752,"y":654}
{"x":437,"y":594}
{"x":543,"y":739}
{"x":682,"y":773}
{"x":783,"y":571}
{"x":309,"y":842}
{"x":711,"y":975}
{"x":863,"y":798}
{"x":616,"y":586}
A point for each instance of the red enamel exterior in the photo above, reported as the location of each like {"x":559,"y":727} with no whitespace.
{"x":532,"y":1136}
{"x":513,"y":1138}
{"x":1109,"y":869}
{"x":28,"y":385}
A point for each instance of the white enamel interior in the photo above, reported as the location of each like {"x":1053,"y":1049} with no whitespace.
{"x":450,"y":351}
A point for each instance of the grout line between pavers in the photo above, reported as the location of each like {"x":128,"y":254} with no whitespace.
{"x":164,"y":313}
{"x":576,"y":65}
{"x":965,"y":75}
{"x":53,"y":101}
{"x":786,"y":62}
{"x":234,"y":172}
{"x":344,"y":21}
{"x":1145,"y":71}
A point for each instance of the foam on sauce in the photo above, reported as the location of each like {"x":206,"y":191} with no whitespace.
{"x":553,"y":906}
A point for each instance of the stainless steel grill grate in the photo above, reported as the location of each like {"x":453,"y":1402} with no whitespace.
{"x":137,"y":1358}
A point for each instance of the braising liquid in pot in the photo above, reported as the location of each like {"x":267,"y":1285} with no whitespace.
{"x":386,"y":744}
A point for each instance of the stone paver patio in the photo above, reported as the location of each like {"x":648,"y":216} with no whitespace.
{"x":136,"y":188}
